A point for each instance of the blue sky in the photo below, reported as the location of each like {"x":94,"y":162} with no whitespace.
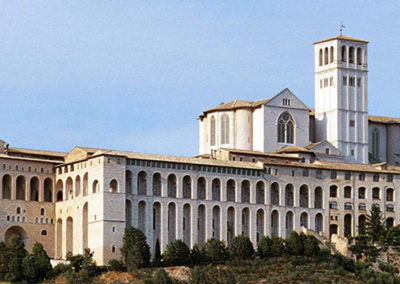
{"x":135,"y":75}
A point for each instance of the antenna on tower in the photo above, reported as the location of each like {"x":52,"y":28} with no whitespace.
{"x":341,"y":27}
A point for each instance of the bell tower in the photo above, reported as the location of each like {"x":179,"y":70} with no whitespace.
{"x":341,"y":95}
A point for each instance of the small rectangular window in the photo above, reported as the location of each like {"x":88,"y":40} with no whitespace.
{"x":376,"y":177}
{"x":347,"y":176}
{"x":305,"y":172}
{"x":361,"y":176}
{"x":390,"y":178}
{"x":333,"y":174}
{"x":344,"y":80}
{"x":320,"y":84}
{"x":325,"y":82}
{"x":358,"y":82}
{"x":331,"y":81}
{"x":318,"y":174}
{"x":352,"y":123}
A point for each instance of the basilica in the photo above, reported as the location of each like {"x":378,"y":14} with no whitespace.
{"x":264,"y":167}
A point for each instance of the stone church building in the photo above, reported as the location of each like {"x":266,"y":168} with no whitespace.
{"x":264,"y":168}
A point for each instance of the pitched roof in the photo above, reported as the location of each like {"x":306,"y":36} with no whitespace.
{"x":293,"y":149}
{"x":342,"y":37}
{"x":236,"y":104}
{"x":36,"y":152}
{"x":259,"y":153}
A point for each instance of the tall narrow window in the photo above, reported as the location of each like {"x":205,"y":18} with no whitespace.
{"x":212,"y":131}
{"x":286,"y":128}
{"x":332,"y":55}
{"x":344,"y":51}
{"x":326,"y":56}
{"x":225,"y":129}
{"x":351,"y":55}
{"x":375,"y":143}
{"x":320,"y":57}
{"x":359,"y":56}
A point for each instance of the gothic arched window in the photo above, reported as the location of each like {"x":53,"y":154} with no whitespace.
{"x":285,"y":128}
{"x":375,"y":143}
{"x":359,"y":56}
{"x":212,"y":131}
{"x":326,"y":56}
{"x":332,"y":55}
{"x":224,"y":129}
{"x":344,"y":51}
{"x":351,"y":55}
{"x":320,"y":57}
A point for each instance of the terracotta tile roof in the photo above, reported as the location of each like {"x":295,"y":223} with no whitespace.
{"x":293,"y":149}
{"x":36,"y":152}
{"x":236,"y":104}
{"x":342,"y":37}
{"x":259,"y":153}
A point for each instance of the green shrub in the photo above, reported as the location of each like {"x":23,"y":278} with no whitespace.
{"x":157,"y":254}
{"x":135,"y":251}
{"x":196,"y":255}
{"x":116,"y":265}
{"x":4,"y":258}
{"x":278,"y":247}
{"x":241,"y":247}
{"x":215,"y":251}
{"x":36,"y":265}
{"x":16,"y":253}
{"x":310,"y":246}
{"x":295,"y":244}
{"x":264,"y":248}
{"x":162,"y":277}
{"x":177,"y":253}
{"x":197,"y":276}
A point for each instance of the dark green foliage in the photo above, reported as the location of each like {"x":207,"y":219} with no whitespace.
{"x":3,"y":260}
{"x":393,"y":236}
{"x":116,"y":265}
{"x":215,"y":251}
{"x":363,"y":246}
{"x":16,"y":253}
{"x":196,"y":255}
{"x":135,"y":251}
{"x":36,"y":265}
{"x":310,"y":245}
{"x":197,"y":276}
{"x":162,"y":277}
{"x":374,"y":226}
{"x":177,"y":253}
{"x":387,"y":267}
{"x":241,"y":247}
{"x":83,"y":267}
{"x":264,"y":248}
{"x":157,"y":254}
{"x":278,"y":247}
{"x":295,"y":244}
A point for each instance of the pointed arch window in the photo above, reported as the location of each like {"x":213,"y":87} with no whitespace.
{"x":320,"y":57}
{"x":344,"y":51}
{"x":326,"y":54}
{"x":332,"y":55}
{"x":212,"y":131}
{"x":286,"y":128}
{"x":225,"y":129}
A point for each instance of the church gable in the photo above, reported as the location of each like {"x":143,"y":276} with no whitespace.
{"x":286,"y":99}
{"x":324,"y":147}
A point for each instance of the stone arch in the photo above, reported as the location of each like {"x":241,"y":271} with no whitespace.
{"x":216,"y":190}
{"x":245,"y":191}
{"x":318,"y":197}
{"x":389,"y":194}
{"x":113,"y":185}
{"x":85,"y":226}
{"x":201,"y":188}
{"x":347,"y":192}
{"x":376,"y":193}
{"x":20,"y":194}
{"x":275,"y":223}
{"x":77,"y":186}
{"x":48,"y":190}
{"x":128,"y":182}
{"x":201,"y":236}
{"x":289,"y":223}
{"x":304,"y":220}
{"x":172,"y":186}
{"x":6,"y":183}
{"x":157,"y":184}
{"x":171,"y":222}
{"x":260,"y":224}
{"x":260,"y":192}
{"x":95,"y":186}
{"x":362,"y":193}
{"x":70,"y":235}
{"x":231,"y":190}
{"x":332,"y":55}
{"x":319,"y":223}
{"x":187,"y":224}
{"x":333,"y":191}
{"x":361,"y":224}
{"x":326,"y":56}
{"x":344,"y":53}
{"x":142,"y":216}
{"x":216,"y":222}
{"x":59,"y":229}
{"x":304,"y":196}
{"x":320,"y":57}
{"x":351,"y":55}
{"x":85,"y":183}
{"x":275,"y":193}
{"x":187,"y":187}
{"x":289,"y":195}
{"x":128,"y":213}
{"x":348,"y":222}
{"x":156,"y":222}
{"x":142,"y":183}
{"x":69,"y":194}
{"x":246,"y":222}
{"x":34,"y":189}
{"x":60,"y":189}
{"x":19,"y":231}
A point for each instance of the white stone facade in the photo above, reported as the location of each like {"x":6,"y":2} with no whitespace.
{"x":267,"y":175}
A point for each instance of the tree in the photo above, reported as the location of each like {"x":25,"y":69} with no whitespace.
{"x":264,"y":248}
{"x":162,"y":277}
{"x":374,"y":226}
{"x":311,"y":246}
{"x":295,"y":244}
{"x":16,"y":253}
{"x":157,"y":254}
{"x":135,"y":251}
{"x":196,"y":255}
{"x":84,"y":268}
{"x":215,"y":251}
{"x":241,"y":247}
{"x":278,"y":247}
{"x":36,"y":265}
{"x":197,"y":276}
{"x":177,"y":253}
{"x":4,"y":258}
{"x":393,"y":236}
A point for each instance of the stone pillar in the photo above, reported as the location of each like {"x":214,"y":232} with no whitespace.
{"x":179,"y":221}
{"x":253,"y":226}
{"x":179,"y":187}
{"x":149,"y":226}
{"x":194,"y":224}
{"x":164,"y":185}
{"x":194,"y":187}
{"x":253,"y":192}
{"x":149,"y":185}
{"x":164,"y":226}
{"x":238,"y":221}
{"x":223,"y":190}
{"x":238,"y":192}
{"x":209,"y":218}
{"x":223,"y":223}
